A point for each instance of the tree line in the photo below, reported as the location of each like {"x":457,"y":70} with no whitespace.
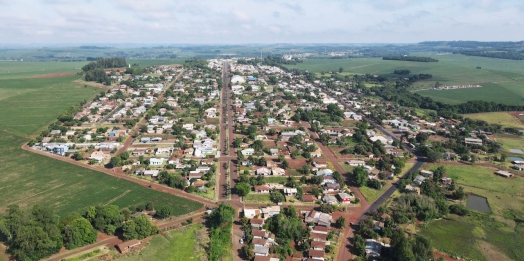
{"x":221,"y":222}
{"x":410,"y":58}
{"x":509,"y":55}
{"x":94,"y":71}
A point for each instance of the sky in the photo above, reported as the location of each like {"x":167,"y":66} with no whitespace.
{"x":258,"y":21}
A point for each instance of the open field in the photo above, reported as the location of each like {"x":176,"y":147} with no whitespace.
{"x":503,"y":118}
{"x":372,"y":194}
{"x":29,"y":105}
{"x":503,"y":80}
{"x":500,"y":230}
{"x":510,"y":141}
{"x":173,"y":246}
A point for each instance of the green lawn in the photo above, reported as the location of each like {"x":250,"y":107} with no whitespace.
{"x":257,"y":198}
{"x":346,"y":167}
{"x":502,"y":79}
{"x":372,"y":194}
{"x":502,"y":118}
{"x":174,"y":246}
{"x":28,"y":105}
{"x":509,"y":141}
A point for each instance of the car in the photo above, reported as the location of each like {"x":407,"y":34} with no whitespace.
{"x":241,"y":241}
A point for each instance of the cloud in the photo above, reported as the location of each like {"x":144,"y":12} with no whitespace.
{"x":257,"y":21}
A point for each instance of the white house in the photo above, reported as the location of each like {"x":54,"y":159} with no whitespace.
{"x":156,"y":161}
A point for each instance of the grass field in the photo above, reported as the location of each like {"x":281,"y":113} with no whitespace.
{"x":500,"y":230}
{"x":28,"y":105}
{"x":502,"y":79}
{"x":510,"y":141}
{"x":502,"y":118}
{"x":174,"y":246}
{"x":372,"y":194}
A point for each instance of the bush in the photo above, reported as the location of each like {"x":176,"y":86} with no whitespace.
{"x":458,"y":209}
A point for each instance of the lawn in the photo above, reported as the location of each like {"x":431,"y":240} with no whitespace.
{"x":372,"y":194}
{"x":178,"y":245}
{"x":29,"y":105}
{"x":346,"y":167}
{"x":257,"y":198}
{"x":501,"y":229}
{"x":502,"y":79}
{"x":502,"y":118}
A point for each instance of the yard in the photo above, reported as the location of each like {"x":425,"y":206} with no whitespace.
{"x":257,"y":198}
{"x":509,"y":141}
{"x":27,"y":106}
{"x":179,"y":245}
{"x":372,"y":194}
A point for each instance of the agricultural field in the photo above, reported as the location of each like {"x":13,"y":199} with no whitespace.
{"x":502,"y":80}
{"x":502,"y":118}
{"x":509,"y":141}
{"x":28,"y":105}
{"x":179,"y":245}
{"x":497,"y":233}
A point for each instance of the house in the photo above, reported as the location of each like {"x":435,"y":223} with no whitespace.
{"x":270,"y":211}
{"x":263,"y":171}
{"x":325,"y":172}
{"x":419,"y":180}
{"x":276,"y":171}
{"x":316,"y":254}
{"x":156,"y":161}
{"x":320,"y":164}
{"x":356,"y":163}
{"x":145,"y":140}
{"x":98,"y":156}
{"x":126,"y":246}
{"x":320,"y":230}
{"x":261,"y":250}
{"x":290,"y":191}
{"x":308,"y":198}
{"x":273,"y":152}
{"x":247,"y":152}
{"x":251,"y":213}
{"x":256,"y":223}
{"x":331,"y":187}
{"x":259,"y":242}
{"x":262,"y":189}
{"x":374,"y":248}
{"x":319,"y":237}
{"x":328,"y":199}
{"x":327,"y":180}
{"x":319,"y":218}
{"x":316,"y":245}
{"x":317,"y":153}
{"x":412,"y":189}
{"x":472,"y":141}
{"x":259,"y":233}
{"x":152,"y":173}
{"x":426,"y":173}
{"x":199,"y":184}
{"x":188,"y":126}
{"x":345,"y":198}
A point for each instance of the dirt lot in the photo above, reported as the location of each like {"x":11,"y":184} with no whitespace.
{"x":53,"y":75}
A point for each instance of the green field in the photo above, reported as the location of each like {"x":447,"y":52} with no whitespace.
{"x":500,"y":230}
{"x":173,"y":246}
{"x":502,"y":118}
{"x":510,"y":141}
{"x":372,"y":194}
{"x":503,"y":80}
{"x":28,"y":105}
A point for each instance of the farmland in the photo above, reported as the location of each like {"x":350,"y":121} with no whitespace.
{"x":178,"y":245}
{"x":510,"y":141}
{"x":502,"y":118}
{"x":502,"y":80}
{"x":28,"y":105}
{"x":505,"y":198}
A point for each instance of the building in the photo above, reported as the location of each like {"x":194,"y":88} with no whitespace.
{"x":345,"y":198}
{"x":251,"y":213}
{"x":126,"y":246}
{"x":262,"y":189}
{"x":156,"y":161}
{"x":328,"y":199}
{"x":290,"y":191}
{"x":356,"y":163}
{"x":270,"y":211}
{"x":503,"y":173}
{"x":373,"y":247}
{"x":472,"y":141}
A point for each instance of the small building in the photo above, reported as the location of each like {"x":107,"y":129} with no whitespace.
{"x":290,"y":191}
{"x":373,"y":247}
{"x":251,"y":213}
{"x":328,"y":199}
{"x":126,"y":246}
{"x":356,"y":163}
{"x":503,"y":173}
{"x":270,"y":211}
{"x":472,"y":141}
{"x":256,"y":223}
{"x":309,"y":198}
{"x":316,"y":254}
{"x":316,"y":245}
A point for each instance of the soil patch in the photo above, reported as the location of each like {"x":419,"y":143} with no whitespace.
{"x":54,"y":75}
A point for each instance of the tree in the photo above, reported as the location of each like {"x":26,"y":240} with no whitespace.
{"x":340,"y":69}
{"x":164,"y":212}
{"x":341,"y":222}
{"x":249,"y":251}
{"x":79,"y":155}
{"x":276,"y":196}
{"x":360,"y":246}
{"x":79,"y":233}
{"x":434,"y":156}
{"x":361,"y":176}
{"x":285,"y":164}
{"x":243,"y":189}
{"x":327,"y":208}
{"x":459,"y":193}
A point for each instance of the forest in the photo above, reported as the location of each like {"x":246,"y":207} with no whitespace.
{"x":95,"y":71}
{"x":510,"y":55}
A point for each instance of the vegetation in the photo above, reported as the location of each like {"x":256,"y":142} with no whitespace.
{"x":511,"y":55}
{"x":94,"y":71}
{"x":221,"y":221}
{"x":504,"y":119}
{"x":287,"y":226}
{"x":410,"y":58}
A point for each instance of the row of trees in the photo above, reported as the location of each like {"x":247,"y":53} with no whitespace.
{"x":221,"y":222}
{"x":510,"y":55}
{"x":410,"y":58}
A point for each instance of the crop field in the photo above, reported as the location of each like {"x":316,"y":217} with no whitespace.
{"x":503,"y":80}
{"x":500,"y":230}
{"x":28,"y":105}
{"x":502,"y":118}
{"x":172,"y":246}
